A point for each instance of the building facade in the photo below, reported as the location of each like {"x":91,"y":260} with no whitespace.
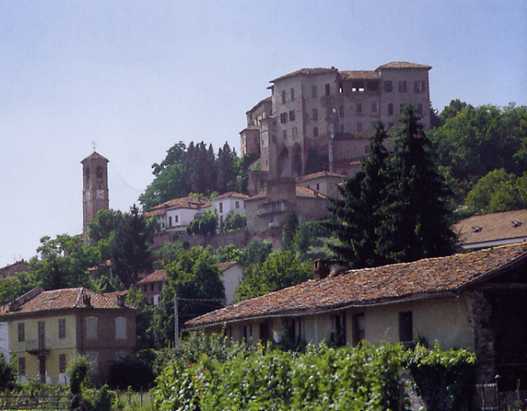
{"x":95,"y":195}
{"x":322,"y":118}
{"x":226,"y":203}
{"x":47,"y":329}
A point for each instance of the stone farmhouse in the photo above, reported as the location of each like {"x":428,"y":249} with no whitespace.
{"x":490,"y":230}
{"x":47,"y":329}
{"x":473,"y":300}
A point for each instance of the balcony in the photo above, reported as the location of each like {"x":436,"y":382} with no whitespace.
{"x":273,"y":207}
{"x":37,"y":347}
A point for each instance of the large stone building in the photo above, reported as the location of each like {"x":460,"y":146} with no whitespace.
{"x":322,"y":118}
{"x":94,"y":188}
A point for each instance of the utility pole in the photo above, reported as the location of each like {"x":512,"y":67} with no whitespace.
{"x":176,"y":324}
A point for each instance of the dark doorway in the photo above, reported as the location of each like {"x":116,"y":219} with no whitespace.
{"x":42,"y":369}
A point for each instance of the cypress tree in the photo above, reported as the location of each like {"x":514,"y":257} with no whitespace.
{"x":356,"y":214}
{"x":416,"y":216}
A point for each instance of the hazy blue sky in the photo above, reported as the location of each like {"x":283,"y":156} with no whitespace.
{"x":138,"y":76}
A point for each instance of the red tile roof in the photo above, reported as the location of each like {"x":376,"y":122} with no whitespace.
{"x":15,"y":268}
{"x":267,"y":100}
{"x":306,"y":72}
{"x":424,"y":278}
{"x":319,"y":174}
{"x":492,"y":227}
{"x":359,"y":75}
{"x":402,"y":65}
{"x":38,"y":300}
{"x":190,"y":202}
{"x":155,"y":277}
{"x":232,"y":194}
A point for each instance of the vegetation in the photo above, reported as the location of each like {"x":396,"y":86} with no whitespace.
{"x":367,"y":377}
{"x":7,"y":375}
{"x":234,"y":221}
{"x":195,"y":169}
{"x":397,"y":209}
{"x":204,"y":224}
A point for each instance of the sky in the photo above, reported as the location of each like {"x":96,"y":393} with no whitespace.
{"x":137,"y":76}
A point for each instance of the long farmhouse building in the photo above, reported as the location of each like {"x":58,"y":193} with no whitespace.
{"x":473,"y":300}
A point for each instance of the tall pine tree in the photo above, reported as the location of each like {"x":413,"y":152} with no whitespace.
{"x":356,"y":214}
{"x":415,"y":217}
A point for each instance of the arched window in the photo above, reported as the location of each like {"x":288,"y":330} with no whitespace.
{"x":120,"y":328}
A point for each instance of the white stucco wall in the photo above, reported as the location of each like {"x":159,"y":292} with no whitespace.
{"x":4,"y":340}
{"x":184,"y":217}
{"x":228,"y":205}
{"x":231,"y":281}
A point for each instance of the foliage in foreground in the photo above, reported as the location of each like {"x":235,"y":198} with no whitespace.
{"x":362,"y":378}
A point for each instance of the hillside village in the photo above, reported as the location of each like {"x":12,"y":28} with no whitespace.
{"x":302,"y":239}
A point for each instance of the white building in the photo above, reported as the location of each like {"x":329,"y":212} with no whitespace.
{"x":231,"y":276}
{"x":178,"y":213}
{"x":229,"y":202}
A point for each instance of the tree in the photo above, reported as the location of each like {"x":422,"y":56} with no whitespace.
{"x":7,"y":376}
{"x":415,"y":216}
{"x":289,"y":230}
{"x":131,"y":247}
{"x":195,"y":277}
{"x":356,"y":216}
{"x":256,"y":252}
{"x":234,"y":221}
{"x":281,"y":269}
{"x":203,"y":224}
{"x":104,"y":224}
{"x":226,"y":163}
{"x":497,"y":191}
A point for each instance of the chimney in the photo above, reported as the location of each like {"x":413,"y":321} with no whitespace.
{"x":120,"y":300}
{"x":327,"y":268}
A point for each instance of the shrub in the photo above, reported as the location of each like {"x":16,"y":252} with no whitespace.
{"x":78,"y":374}
{"x":131,"y":372}
{"x":7,"y":375}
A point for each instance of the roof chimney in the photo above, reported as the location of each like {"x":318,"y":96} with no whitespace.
{"x":327,"y":268}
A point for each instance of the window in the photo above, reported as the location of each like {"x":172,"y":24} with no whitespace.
{"x":62,"y":328}
{"x":284,"y":134}
{"x":292,"y":115}
{"x":341,"y":111}
{"x":237,"y":204}
{"x":402,"y":86}
{"x":91,"y":327}
{"x":22,"y":365}
{"x":292,"y":94}
{"x":176,"y":218}
{"x":170,"y":221}
{"x":21,"y":331}
{"x":283,"y":97}
{"x":420,"y":109}
{"x":314,"y":91}
{"x":359,"y":330}
{"x":315,"y":131}
{"x":62,"y":363}
{"x":315,"y":114}
{"x":359,"y":126}
{"x":283,"y":118}
{"x":388,"y":86}
{"x":390,"y":109}
{"x":294,"y":329}
{"x":318,"y":187}
{"x":359,"y":107}
{"x":406,"y":333}
{"x":247,"y":332}
{"x":327,"y":88}
{"x":338,"y":334}
{"x":373,"y":107}
{"x":295,"y":132}
{"x":419,"y":86}
{"x":220,"y":205}
{"x":120,"y":328}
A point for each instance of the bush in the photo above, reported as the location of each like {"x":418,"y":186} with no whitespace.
{"x":367,"y":377}
{"x":203,"y":224}
{"x":131,"y":372}
{"x":7,"y":376}
{"x":234,"y":221}
{"x":78,"y":374}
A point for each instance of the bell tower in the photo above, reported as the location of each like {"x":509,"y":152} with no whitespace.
{"x":94,"y":188}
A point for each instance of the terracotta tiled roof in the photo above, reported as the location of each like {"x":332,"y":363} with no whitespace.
{"x":359,"y":75}
{"x":15,"y":268}
{"x":155,"y":277}
{"x":62,"y":299}
{"x":263,"y":101}
{"x":95,"y":156}
{"x":306,"y":72}
{"x":401,"y":65}
{"x":319,"y":174}
{"x":226,"y":265}
{"x":232,"y":194}
{"x":301,"y":191}
{"x":181,"y":202}
{"x":424,"y":278}
{"x":492,"y":227}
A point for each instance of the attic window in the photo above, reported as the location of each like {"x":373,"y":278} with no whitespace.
{"x":476,"y":229}
{"x":516,"y":223}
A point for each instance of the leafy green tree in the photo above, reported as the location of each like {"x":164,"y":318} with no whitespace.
{"x":229,"y":252}
{"x":310,"y":241}
{"x":104,"y":224}
{"x":415,"y":216}
{"x":226,"y":166}
{"x":130,"y":250}
{"x":289,"y":230}
{"x":356,"y":215}
{"x":14,"y":286}
{"x":195,"y":277}
{"x":256,"y":252}
{"x":7,"y":375}
{"x":234,"y":221}
{"x":280,"y":269}
{"x":497,"y":191}
{"x":203,"y":224}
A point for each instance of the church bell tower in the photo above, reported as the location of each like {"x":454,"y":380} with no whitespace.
{"x":94,"y":188}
